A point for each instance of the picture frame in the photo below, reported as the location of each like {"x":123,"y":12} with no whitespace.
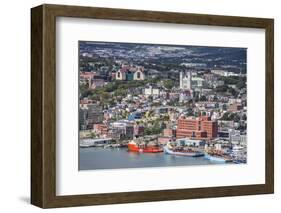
{"x":43,"y":105}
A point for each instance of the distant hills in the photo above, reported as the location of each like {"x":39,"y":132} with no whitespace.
{"x":162,"y":57}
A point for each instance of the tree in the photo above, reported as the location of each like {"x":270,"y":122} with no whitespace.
{"x":95,"y":97}
{"x":203,"y":98}
{"x":150,"y":98}
{"x":215,"y":98}
{"x":241,"y":84}
{"x":83,"y":88}
{"x":225,"y":116}
{"x":120,"y":92}
{"x":168,"y":84}
{"x":222,"y":88}
{"x":232,"y":91}
{"x":92,"y":135}
{"x":105,"y":96}
{"x":110,"y":87}
{"x":196,"y":97}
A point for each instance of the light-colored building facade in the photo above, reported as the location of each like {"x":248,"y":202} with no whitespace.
{"x":120,"y":75}
{"x":186,"y":80}
{"x":139,"y":75}
{"x":127,"y":73}
{"x":151,"y":90}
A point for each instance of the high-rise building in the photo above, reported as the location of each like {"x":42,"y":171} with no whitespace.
{"x":122,"y":129}
{"x":198,"y":128}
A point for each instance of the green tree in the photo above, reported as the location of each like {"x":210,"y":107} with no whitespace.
{"x":241,"y":84}
{"x":222,"y":88}
{"x":120,"y":92}
{"x":203,"y":98}
{"x":168,"y":84}
{"x":225,"y":116}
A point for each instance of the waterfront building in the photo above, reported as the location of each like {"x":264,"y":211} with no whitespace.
{"x":138,"y":130}
{"x":94,"y":115}
{"x":169,"y":133}
{"x":82,"y":119}
{"x":189,"y":142}
{"x":197,"y":128}
{"x":163,"y":140}
{"x":92,"y":142}
{"x":101,"y":129}
{"x":129,"y":132}
{"x":122,"y":129}
{"x":235,"y":137}
{"x":223,"y":134}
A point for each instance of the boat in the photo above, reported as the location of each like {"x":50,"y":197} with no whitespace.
{"x":134,"y":147}
{"x":239,"y":154}
{"x":218,"y":157}
{"x":189,"y":152}
{"x":239,"y":161}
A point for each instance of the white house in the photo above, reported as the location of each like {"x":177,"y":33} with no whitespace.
{"x":120,"y":75}
{"x":139,"y":75}
{"x":150,"y":90}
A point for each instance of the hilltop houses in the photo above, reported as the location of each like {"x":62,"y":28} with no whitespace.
{"x":129,"y":73}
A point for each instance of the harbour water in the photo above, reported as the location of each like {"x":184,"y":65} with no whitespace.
{"x":115,"y":158}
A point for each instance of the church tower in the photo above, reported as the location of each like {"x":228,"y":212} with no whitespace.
{"x":186,"y":80}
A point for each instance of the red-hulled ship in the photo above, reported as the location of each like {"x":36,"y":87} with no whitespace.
{"x":133,"y":147}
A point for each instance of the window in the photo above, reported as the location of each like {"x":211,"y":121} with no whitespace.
{"x":138,"y":75}
{"x":193,"y":135}
{"x":118,"y":74}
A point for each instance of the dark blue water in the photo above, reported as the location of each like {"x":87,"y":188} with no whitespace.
{"x":100,"y":158}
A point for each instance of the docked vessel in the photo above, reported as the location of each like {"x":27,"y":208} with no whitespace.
{"x":239,"y":154}
{"x":218,"y":157}
{"x":134,"y":147}
{"x":189,"y":152}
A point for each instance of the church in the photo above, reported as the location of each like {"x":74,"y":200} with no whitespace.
{"x":186,"y":80}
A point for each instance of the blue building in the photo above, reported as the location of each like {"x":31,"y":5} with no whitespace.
{"x":134,"y":116}
{"x":129,"y":76}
